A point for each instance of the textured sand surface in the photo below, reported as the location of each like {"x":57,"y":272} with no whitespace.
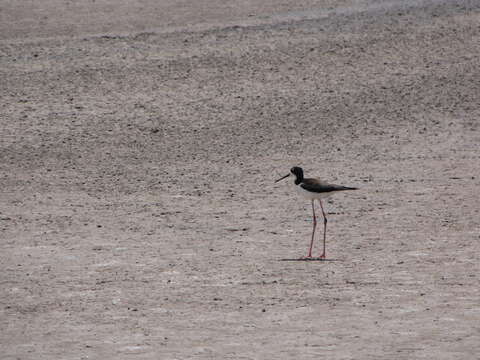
{"x":139,"y":142}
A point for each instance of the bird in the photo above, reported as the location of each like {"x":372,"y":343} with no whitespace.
{"x":314,"y":189}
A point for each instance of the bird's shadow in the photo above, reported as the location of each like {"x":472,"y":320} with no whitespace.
{"x":310,"y":259}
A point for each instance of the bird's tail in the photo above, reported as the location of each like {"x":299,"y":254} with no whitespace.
{"x":348,"y":188}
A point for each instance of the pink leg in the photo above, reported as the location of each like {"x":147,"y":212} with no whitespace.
{"x":324,"y":230}
{"x":313,"y":231}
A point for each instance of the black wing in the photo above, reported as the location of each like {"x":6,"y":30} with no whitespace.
{"x":317,"y":186}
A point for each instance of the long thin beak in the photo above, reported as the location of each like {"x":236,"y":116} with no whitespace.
{"x":282,"y":178}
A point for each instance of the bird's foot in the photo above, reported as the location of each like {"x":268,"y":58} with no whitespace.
{"x":322,"y":257}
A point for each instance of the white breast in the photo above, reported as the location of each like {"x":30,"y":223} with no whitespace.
{"x":311,"y":195}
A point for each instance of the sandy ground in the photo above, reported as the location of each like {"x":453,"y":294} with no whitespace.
{"x":139,"y":145}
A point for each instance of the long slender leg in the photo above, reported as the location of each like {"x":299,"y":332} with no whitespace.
{"x":324,"y":230}
{"x":313,"y":231}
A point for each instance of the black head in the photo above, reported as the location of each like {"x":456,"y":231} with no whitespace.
{"x":297,"y":171}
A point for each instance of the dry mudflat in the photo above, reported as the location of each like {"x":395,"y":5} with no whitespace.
{"x":139,"y":142}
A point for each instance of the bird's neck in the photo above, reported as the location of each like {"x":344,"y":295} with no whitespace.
{"x":298,"y":179}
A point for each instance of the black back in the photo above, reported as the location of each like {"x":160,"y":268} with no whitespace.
{"x":317,"y":186}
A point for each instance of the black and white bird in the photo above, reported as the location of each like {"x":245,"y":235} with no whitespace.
{"x":314,"y":189}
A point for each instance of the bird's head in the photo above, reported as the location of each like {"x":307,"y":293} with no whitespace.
{"x":297,"y":171}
